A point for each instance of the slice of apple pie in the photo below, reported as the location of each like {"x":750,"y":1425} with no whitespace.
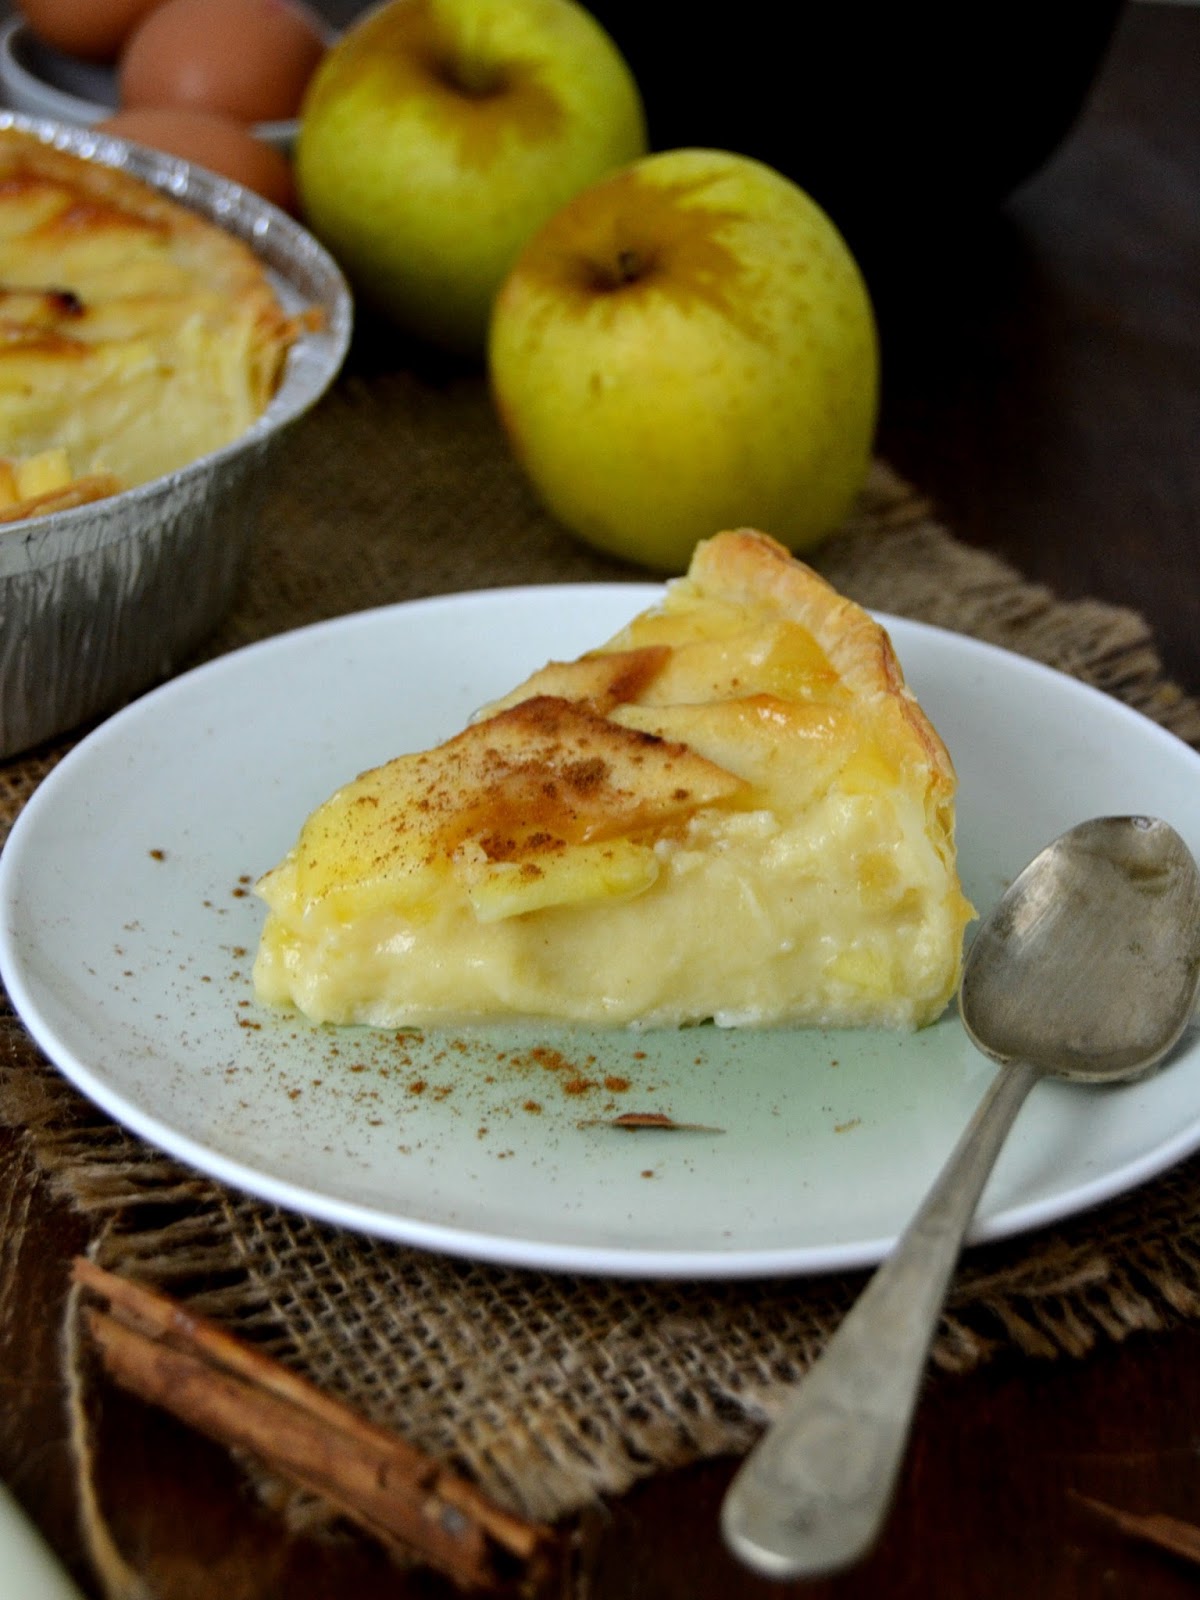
{"x":734,"y":809}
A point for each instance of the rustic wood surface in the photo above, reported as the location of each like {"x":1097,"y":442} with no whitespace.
{"x":1043,"y":386}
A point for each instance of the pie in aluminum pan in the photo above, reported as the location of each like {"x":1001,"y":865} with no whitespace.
{"x":135,"y":335}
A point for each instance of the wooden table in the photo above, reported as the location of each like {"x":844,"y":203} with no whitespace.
{"x":1043,"y":386}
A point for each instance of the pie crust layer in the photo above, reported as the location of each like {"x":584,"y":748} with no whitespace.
{"x":735,"y":809}
{"x":135,"y":335}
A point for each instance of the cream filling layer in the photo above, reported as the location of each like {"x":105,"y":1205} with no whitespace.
{"x":840,"y":917}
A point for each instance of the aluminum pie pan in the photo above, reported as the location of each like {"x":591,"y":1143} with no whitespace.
{"x":100,"y":602}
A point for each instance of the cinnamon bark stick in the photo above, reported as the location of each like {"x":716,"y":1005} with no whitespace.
{"x":1153,"y":1527}
{"x":194,"y":1368}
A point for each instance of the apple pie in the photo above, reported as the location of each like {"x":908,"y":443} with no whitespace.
{"x":135,"y":335}
{"x":734,"y":810}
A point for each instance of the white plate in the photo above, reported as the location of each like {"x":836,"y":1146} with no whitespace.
{"x":128,"y":934}
{"x":29,"y":1569}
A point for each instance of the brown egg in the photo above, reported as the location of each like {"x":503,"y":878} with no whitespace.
{"x":95,"y":30}
{"x":213,"y":141}
{"x":251,"y":59}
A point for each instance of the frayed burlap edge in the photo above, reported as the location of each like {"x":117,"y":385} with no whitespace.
{"x":930,"y":575}
{"x":552,"y":1390}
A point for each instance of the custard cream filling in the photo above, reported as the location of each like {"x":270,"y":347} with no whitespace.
{"x":739,"y":904}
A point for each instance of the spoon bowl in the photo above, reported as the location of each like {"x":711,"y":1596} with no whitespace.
{"x":1087,"y":969}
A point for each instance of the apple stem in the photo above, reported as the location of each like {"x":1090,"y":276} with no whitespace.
{"x":473,"y":77}
{"x":628,"y":266}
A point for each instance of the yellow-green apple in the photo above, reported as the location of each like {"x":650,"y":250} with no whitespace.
{"x":688,"y":345}
{"x":437,"y":135}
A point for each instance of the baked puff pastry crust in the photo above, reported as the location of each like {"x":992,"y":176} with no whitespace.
{"x":135,"y":335}
{"x":733,"y":810}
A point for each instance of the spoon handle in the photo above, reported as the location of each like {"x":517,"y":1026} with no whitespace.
{"x":811,"y":1497}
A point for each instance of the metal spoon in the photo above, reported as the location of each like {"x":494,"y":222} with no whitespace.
{"x":1087,"y":969}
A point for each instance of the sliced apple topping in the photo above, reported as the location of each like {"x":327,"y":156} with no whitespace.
{"x":545,"y":803}
{"x":602,"y":679}
{"x":779,"y":747}
{"x":612,"y":869}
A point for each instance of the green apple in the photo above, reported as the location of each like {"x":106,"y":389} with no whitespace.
{"x":686,"y":346}
{"x":437,"y":135}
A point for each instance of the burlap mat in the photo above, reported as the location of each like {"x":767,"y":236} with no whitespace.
{"x":554,"y":1390}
